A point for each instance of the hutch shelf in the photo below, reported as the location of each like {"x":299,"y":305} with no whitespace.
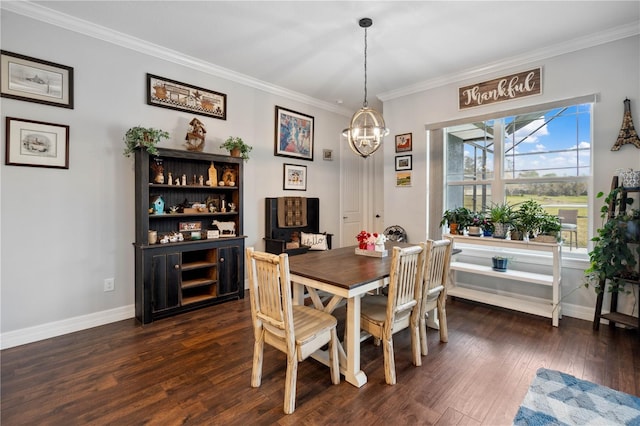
{"x":198,"y":269}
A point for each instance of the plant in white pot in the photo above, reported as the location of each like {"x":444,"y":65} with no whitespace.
{"x":237,"y":147}
{"x":143,"y":137}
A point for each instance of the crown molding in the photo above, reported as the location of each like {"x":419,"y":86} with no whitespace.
{"x":592,"y":40}
{"x":90,"y":29}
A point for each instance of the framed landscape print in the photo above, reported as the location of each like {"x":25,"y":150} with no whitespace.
{"x":403,"y":178}
{"x":404,"y":142}
{"x":294,"y":134}
{"x":36,"y":144}
{"x":403,"y":162}
{"x":172,"y":94}
{"x":294,"y":177}
{"x":33,"y":80}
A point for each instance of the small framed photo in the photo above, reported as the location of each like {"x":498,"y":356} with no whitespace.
{"x":403,"y":162}
{"x":36,"y":144}
{"x":403,"y":178}
{"x":327,"y":154}
{"x":295,"y":177}
{"x":189,"y":226}
{"x":34,"y":80}
{"x":404,"y":142}
{"x":294,"y":134}
{"x":166,"y":93}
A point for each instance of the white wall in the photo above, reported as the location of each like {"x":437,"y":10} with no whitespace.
{"x":611,"y":70}
{"x":65,"y":231}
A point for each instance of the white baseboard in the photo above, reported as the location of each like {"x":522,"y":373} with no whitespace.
{"x":69,"y":325}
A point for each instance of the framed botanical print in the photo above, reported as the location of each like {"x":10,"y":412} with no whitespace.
{"x":294,"y":134}
{"x":294,"y":177}
{"x":34,"y":80}
{"x":36,"y":144}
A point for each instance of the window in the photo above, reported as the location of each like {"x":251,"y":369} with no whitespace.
{"x":545,"y":156}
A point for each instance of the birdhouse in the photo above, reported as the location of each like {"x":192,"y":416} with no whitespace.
{"x":157,"y":204}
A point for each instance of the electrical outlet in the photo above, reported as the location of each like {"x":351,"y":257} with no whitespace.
{"x":109,"y":284}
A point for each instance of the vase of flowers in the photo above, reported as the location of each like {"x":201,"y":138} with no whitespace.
{"x":368,"y":240}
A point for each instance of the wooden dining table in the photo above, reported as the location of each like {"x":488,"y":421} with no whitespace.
{"x":344,"y":275}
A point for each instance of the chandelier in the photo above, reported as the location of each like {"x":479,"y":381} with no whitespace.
{"x":367,"y":127}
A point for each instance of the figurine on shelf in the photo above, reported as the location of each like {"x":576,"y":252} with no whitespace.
{"x":184,"y":180}
{"x":213,"y":175}
{"x":170,"y":182}
{"x":195,"y":136}
{"x":158,"y":169}
{"x":201,"y":180}
{"x":232,"y":207}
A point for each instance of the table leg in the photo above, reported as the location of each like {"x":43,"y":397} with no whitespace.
{"x":353,"y":374}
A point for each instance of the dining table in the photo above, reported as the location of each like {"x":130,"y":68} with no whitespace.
{"x":342,"y":274}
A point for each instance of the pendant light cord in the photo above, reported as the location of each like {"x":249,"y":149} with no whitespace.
{"x":365,"y":104}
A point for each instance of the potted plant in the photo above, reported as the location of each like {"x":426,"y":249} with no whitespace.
{"x":529,"y":218}
{"x":612,"y":259}
{"x":477,"y":222}
{"x":237,"y":147}
{"x":457,"y":219}
{"x":501,"y":215}
{"x":549,"y":228}
{"x":499,"y":263}
{"x":143,"y":137}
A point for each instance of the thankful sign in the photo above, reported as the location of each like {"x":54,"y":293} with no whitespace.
{"x":500,"y":89}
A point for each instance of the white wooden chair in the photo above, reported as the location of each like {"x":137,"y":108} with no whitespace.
{"x":382,"y":316}
{"x":434,"y":289}
{"x":298,"y":330}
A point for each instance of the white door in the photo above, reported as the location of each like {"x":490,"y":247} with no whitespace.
{"x":353,"y":195}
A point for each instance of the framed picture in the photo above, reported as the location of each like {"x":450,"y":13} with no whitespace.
{"x":34,"y":80}
{"x":403,"y":162}
{"x":294,"y":177}
{"x":172,"y":94}
{"x":327,"y":154}
{"x":190,"y":226}
{"x":403,"y":178}
{"x":36,"y":143}
{"x":294,"y":134}
{"x":404,"y":142}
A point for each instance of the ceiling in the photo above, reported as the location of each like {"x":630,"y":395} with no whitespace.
{"x":316,"y":48}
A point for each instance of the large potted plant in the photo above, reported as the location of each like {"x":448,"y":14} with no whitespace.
{"x":143,"y":137}
{"x":237,"y":147}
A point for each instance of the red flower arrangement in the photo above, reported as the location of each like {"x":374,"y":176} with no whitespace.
{"x":365,"y":238}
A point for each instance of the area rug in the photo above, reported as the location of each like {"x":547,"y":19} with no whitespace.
{"x":556,"y":398}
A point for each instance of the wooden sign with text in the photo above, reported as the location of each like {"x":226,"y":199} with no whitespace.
{"x":514,"y":86}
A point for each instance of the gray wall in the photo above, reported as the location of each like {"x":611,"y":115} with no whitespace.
{"x":65,"y":231}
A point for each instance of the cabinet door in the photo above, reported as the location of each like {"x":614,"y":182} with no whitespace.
{"x":229,"y":270}
{"x":165,"y":281}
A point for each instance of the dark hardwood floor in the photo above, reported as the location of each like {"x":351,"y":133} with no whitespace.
{"x":195,"y":369}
